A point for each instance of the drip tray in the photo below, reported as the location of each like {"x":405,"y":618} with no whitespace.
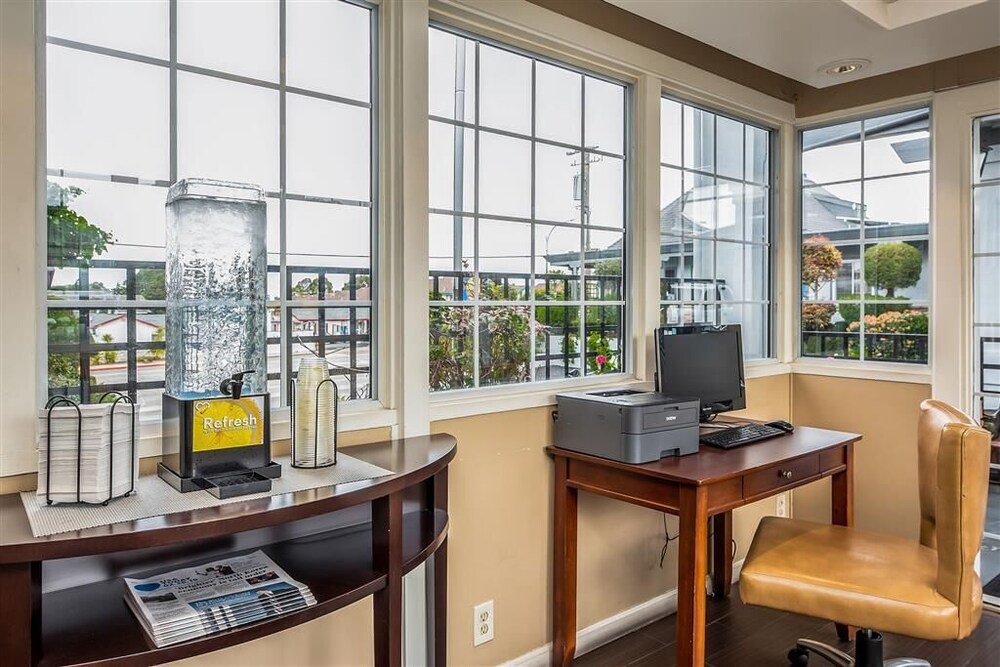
{"x":236,"y":484}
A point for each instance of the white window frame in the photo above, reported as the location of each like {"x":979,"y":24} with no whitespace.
{"x":625,"y":353}
{"x":890,"y":371}
{"x":773,"y":183}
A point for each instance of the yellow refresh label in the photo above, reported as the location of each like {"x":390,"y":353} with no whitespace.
{"x":224,"y":423}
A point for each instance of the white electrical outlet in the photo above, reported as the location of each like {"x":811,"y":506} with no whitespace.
{"x":781,"y":505}
{"x":482,"y":623}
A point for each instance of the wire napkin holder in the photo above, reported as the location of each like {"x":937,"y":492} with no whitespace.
{"x":66,"y":401}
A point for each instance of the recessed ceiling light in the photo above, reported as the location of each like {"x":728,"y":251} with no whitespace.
{"x":842,"y":67}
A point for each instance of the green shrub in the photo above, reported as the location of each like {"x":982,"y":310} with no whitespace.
{"x":851,"y":310}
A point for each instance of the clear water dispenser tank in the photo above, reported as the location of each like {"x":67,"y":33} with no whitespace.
{"x":216,"y":286}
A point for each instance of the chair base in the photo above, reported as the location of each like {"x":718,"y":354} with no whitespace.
{"x":868,"y":649}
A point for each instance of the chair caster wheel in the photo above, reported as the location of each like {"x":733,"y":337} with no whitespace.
{"x":798,"y":657}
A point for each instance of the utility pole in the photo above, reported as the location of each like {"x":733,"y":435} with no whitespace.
{"x":581,"y":188}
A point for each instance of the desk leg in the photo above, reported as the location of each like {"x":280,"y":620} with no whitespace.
{"x":387,"y":554}
{"x":692,"y":566}
{"x":843,"y":511}
{"x":564,"y":569}
{"x":722,"y":554}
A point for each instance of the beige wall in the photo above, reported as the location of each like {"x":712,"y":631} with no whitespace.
{"x":885,"y":478}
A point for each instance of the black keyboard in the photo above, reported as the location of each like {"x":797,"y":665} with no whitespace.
{"x":741,"y":435}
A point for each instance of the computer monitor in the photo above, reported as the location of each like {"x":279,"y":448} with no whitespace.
{"x":703,"y":361}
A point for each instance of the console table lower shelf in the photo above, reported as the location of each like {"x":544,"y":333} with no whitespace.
{"x":63,"y":603}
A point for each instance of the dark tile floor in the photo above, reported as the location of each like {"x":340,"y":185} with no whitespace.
{"x":742,"y":636}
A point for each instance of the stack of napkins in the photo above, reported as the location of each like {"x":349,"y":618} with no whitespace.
{"x":185,"y":604}
{"x":91,"y":463}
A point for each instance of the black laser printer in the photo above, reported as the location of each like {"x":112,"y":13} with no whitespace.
{"x":626,"y":424}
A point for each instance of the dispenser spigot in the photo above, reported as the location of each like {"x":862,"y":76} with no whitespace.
{"x":233,"y":386}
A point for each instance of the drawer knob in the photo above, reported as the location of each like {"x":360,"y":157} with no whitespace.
{"x":787,"y":474}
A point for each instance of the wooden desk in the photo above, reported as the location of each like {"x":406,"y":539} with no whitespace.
{"x":61,"y":596}
{"x":710,"y":483}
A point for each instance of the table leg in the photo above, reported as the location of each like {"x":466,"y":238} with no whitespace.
{"x":440,"y":576}
{"x":387,"y":554}
{"x":722,"y":554}
{"x":20,"y":613}
{"x":692,"y":566}
{"x":564,"y":568}
{"x":842,"y":497}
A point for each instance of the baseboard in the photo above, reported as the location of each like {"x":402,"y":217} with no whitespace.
{"x":614,"y":627}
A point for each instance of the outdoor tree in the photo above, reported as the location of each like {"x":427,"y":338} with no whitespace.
{"x":821,"y":262}
{"x":310,"y":287}
{"x":72,"y":239}
{"x":892,"y":266}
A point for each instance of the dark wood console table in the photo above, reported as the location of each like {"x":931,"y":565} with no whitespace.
{"x":61,"y":597}
{"x":708,"y":484}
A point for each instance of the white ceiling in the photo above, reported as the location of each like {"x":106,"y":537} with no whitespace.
{"x":797,"y":37}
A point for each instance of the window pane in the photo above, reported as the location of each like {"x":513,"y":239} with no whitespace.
{"x":987,"y":304}
{"x":832,"y":211}
{"x":986,"y":166}
{"x":604,"y":339}
{"x":670,"y":132}
{"x":235,"y":36}
{"x":831,"y":154}
{"x":729,"y":210}
{"x":756,"y":208}
{"x":557,"y":343}
{"x":504,"y":175}
{"x":557,"y":184}
{"x":699,"y":139}
{"x":557,"y":262}
{"x":451,"y":76}
{"x":328,"y":235}
{"x":558,"y":113}
{"x":452,"y":185}
{"x":986,"y":231}
{"x":211,"y":144}
{"x":699,"y":271}
{"x":898,"y":335}
{"x":504,"y":260}
{"x":757,"y":155}
{"x":606,"y":196}
{"x":757,"y":278}
{"x":699,"y":204}
{"x":671,"y":202}
{"x":505,"y":90}
{"x":829,"y":330}
{"x":753,"y":319}
{"x":897,"y":144}
{"x":136,"y":27}
{"x":328,"y":48}
{"x":731,"y":273}
{"x":729,"y":146}
{"x":605,"y":253}
{"x":328,"y":148}
{"x":452,"y":243}
{"x":123,"y":127}
{"x":605,"y":114}
{"x":504,"y":344}
{"x":897,"y":207}
{"x":452,"y":347}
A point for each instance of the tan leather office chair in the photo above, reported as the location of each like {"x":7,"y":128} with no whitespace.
{"x":927,"y":589}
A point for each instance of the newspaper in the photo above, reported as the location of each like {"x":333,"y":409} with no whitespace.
{"x":189,"y":603}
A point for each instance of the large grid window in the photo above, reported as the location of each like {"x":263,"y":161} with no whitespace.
{"x":142,"y":94}
{"x":528,"y":173}
{"x":864,"y":213}
{"x":715,"y":223}
{"x":986,"y":325}
{"x":986,"y":261}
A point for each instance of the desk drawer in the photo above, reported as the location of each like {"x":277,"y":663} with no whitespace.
{"x":778,"y":476}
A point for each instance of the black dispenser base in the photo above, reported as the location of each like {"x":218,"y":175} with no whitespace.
{"x":224,"y":485}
